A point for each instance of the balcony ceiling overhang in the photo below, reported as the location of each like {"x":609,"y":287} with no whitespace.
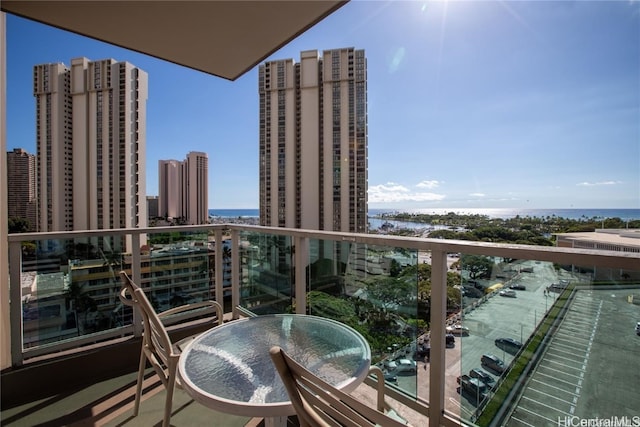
{"x":222,"y":38}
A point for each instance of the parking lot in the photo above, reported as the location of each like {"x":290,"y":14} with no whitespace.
{"x":502,"y":317}
{"x":591,"y":368}
{"x":493,"y":317}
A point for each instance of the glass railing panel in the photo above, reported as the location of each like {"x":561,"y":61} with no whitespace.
{"x":539,"y":336}
{"x":177,"y":268}
{"x":266,"y":272}
{"x":374,"y":290}
{"x":504,"y":301}
{"x":589,"y":364}
{"x":69,"y":289}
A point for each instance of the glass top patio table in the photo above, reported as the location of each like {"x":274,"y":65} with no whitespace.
{"x":228,"y":368}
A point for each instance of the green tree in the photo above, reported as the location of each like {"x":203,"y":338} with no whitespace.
{"x":394,"y":269}
{"x":420,"y":271}
{"x":477,"y":265}
{"x":80,"y":301}
{"x":28,"y":249}
{"x":324,"y":305}
{"x":18,"y":225}
{"x":390,"y":291}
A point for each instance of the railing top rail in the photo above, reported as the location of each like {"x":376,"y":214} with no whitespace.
{"x":562,"y":255}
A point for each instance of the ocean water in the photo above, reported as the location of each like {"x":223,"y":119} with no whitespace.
{"x":624,"y":214}
{"x":235,"y":213}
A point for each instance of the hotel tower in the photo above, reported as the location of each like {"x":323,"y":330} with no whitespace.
{"x":21,"y":183}
{"x":183,"y":188}
{"x":90,"y":130}
{"x":313,"y":141}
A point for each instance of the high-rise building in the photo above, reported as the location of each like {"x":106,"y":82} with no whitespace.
{"x":90,"y":130}
{"x":152,"y":207}
{"x":183,"y":188}
{"x":313,"y":141}
{"x":21,"y":183}
{"x":197,"y":188}
{"x":170,"y":195}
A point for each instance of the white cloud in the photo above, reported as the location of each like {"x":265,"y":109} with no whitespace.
{"x":477,"y":194}
{"x":428,"y":184}
{"x":394,"y":193}
{"x":388,"y":187}
{"x":593,"y":184}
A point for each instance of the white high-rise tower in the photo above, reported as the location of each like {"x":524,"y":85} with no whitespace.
{"x":90,"y":130}
{"x":183,"y":188}
{"x":313,"y":141}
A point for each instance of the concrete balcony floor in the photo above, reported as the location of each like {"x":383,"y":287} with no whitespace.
{"x":109,"y":403}
{"x":96,"y":387}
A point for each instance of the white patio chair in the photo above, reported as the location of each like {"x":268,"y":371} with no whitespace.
{"x":157,"y":347}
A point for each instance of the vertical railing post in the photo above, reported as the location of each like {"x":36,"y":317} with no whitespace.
{"x":15,"y":301}
{"x":437,"y":336}
{"x":235,"y":271}
{"x":219,"y":267}
{"x":300,"y":261}
{"x":136,"y":276}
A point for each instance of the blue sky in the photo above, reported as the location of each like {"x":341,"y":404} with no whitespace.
{"x":471,"y":104}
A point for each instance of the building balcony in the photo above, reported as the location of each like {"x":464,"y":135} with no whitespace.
{"x":572,"y":313}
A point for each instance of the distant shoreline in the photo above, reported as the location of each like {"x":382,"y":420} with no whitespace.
{"x":505,"y":213}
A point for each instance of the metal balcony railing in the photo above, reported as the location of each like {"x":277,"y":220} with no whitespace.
{"x":67,"y":283}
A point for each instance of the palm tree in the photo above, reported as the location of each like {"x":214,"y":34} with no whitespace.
{"x":80,"y":302}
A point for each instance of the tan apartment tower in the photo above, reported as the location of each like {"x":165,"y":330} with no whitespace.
{"x":21,"y":185}
{"x":170,"y":197}
{"x":183,"y":188}
{"x":197,"y":188}
{"x":313,"y":141}
{"x":91,"y":138}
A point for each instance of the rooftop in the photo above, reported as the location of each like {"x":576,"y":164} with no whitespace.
{"x":625,"y":237}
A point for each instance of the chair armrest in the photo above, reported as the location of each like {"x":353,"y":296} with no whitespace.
{"x":382,"y":405}
{"x":195,"y":306}
{"x":374,"y":370}
{"x":126,"y":298}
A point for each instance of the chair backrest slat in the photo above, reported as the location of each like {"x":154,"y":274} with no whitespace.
{"x":343,"y":407}
{"x":320,"y":404}
{"x":155,"y":335}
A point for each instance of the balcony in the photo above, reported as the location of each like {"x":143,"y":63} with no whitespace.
{"x":573,"y":313}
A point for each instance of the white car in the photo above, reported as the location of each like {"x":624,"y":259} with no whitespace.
{"x":457,"y":329}
{"x":403,"y":365}
{"x":508,"y":293}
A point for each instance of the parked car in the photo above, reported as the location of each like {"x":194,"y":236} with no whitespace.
{"x":424,"y":351}
{"x":390,"y":377}
{"x":638,"y":328}
{"x":457,"y":329}
{"x":472,"y":292}
{"x":508,"y":293}
{"x":483,"y":376}
{"x":473,"y":387}
{"x":508,"y":344}
{"x":558,"y":287}
{"x":492,"y":362}
{"x":450,"y":341}
{"x":404,"y":365}
{"x":518,"y":286}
